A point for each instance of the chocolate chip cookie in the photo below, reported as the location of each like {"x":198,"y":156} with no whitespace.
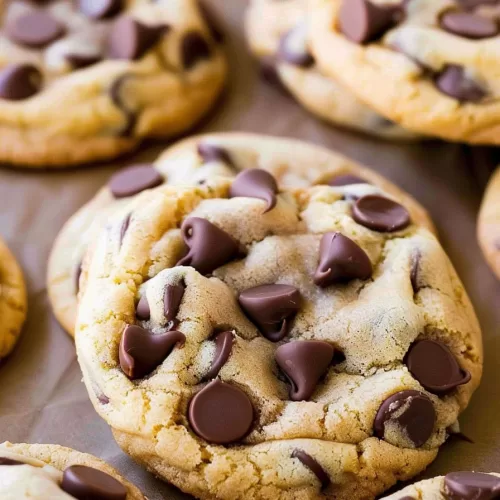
{"x":432,"y":66}
{"x":47,"y":471}
{"x":87,"y":80}
{"x":195,"y":161}
{"x":277,"y":34}
{"x":246,"y":338}
{"x":454,"y":486}
{"x":13,"y":301}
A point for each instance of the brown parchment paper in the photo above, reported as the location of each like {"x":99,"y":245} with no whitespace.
{"x":42,"y":398}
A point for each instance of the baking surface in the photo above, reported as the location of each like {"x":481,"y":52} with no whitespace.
{"x":42,"y":398}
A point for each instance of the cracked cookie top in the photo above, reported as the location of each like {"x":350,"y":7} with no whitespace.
{"x":242,"y":336}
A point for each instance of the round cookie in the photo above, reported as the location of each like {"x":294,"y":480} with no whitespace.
{"x":194,"y":161}
{"x":243,"y":338}
{"x":454,"y":486}
{"x":88,"y":80}
{"x":43,"y":471}
{"x":489,"y":223}
{"x":432,"y":66}
{"x":277,"y":35}
{"x":13,"y":301}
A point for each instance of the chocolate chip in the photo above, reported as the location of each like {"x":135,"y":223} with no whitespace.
{"x":35,"y":29}
{"x":124,"y":228}
{"x":454,"y":82}
{"x":362,"y":21}
{"x":84,"y":482}
{"x":341,"y":260}
{"x":100,"y":9}
{"x":19,"y":81}
{"x":115,"y":95}
{"x":272,"y":308}
{"x":209,"y":246}
{"x":345,"y":180}
{"x":9,"y":461}
{"x":380,"y":214}
{"x":194,"y":48}
{"x":415,"y":270}
{"x":210,"y":152}
{"x":78,"y":273}
{"x":143,"y":311}
{"x":469,"y":25}
{"x":142,"y":351}
{"x":132,"y":180}
{"x":471,"y":486}
{"x":172,"y":299}
{"x":211,"y":22}
{"x":221,"y":413}
{"x":304,"y":363}
{"x":223,"y":348}
{"x":255,"y":183}
{"x":293,"y":47}
{"x":313,"y":466}
{"x":79,"y":61}
{"x":131,"y":39}
{"x":410,"y":410}
{"x":435,"y":367}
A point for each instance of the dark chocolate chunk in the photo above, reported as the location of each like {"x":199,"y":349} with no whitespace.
{"x":143,"y":311}
{"x":412,"y":411}
{"x":172,"y":299}
{"x":210,"y":152}
{"x":100,"y":9}
{"x":79,"y":61}
{"x":304,"y":363}
{"x":209,"y":246}
{"x":380,"y":214}
{"x":35,"y":29}
{"x":142,"y":351}
{"x":194,"y":48}
{"x":346,"y":180}
{"x":272,"y":308}
{"x":313,"y":466}
{"x":255,"y":183}
{"x":124,"y":228}
{"x":223,"y":348}
{"x":471,"y":486}
{"x":132,"y":180}
{"x":469,"y":25}
{"x":10,"y":461}
{"x":341,"y":260}
{"x":19,"y":81}
{"x":454,"y":82}
{"x":293,"y":47}
{"x":221,"y":413}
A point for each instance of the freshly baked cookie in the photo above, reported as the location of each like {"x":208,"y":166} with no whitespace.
{"x":13,"y":301}
{"x":431,"y":66}
{"x":453,"y":486}
{"x":277,"y":35}
{"x":87,"y":80}
{"x":489,"y":223}
{"x":193,"y":161}
{"x":246,"y":339}
{"x":48,"y":471}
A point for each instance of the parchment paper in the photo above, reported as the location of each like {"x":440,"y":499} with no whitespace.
{"x":42,"y":398}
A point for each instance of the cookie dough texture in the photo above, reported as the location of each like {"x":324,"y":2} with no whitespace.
{"x":13,"y":300}
{"x":40,"y":478}
{"x":413,"y":293}
{"x":104,"y":109}
{"x":182,"y":164}
{"x":489,"y":223}
{"x":268,"y":22}
{"x":396,"y":74}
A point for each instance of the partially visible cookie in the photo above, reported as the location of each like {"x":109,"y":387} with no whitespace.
{"x":47,"y":471}
{"x":13,"y":301}
{"x":488,"y":228}
{"x":454,"y":486}
{"x":277,"y":33}
{"x":88,"y":80}
{"x":195,"y":161}
{"x":432,"y":66}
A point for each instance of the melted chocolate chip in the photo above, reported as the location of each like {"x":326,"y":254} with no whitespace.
{"x":380,"y":214}
{"x":115,"y":95}
{"x":221,"y":413}
{"x":471,"y":486}
{"x":272,"y":308}
{"x":79,"y":61}
{"x":313,"y":466}
{"x":469,"y":25}
{"x":194,"y":48}
{"x":415,"y":269}
{"x":142,"y":351}
{"x":35,"y":29}
{"x":454,"y":82}
{"x":341,"y":260}
{"x":435,"y":367}
{"x":304,"y":363}
{"x":100,"y":9}
{"x":143,"y":311}
{"x":410,"y":410}
{"x":346,"y":180}
{"x":19,"y":81}
{"x":172,"y":299}
{"x":210,"y":152}
{"x":293,"y":47}
{"x":132,"y":180}
{"x":85,"y":483}
{"x":10,"y":461}
{"x":255,"y":183}
{"x":209,"y":246}
{"x":124,"y":228}
{"x":223,"y":348}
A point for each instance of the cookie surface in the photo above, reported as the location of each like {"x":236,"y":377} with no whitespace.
{"x":42,"y":471}
{"x":13,"y":301}
{"x":277,"y":34}
{"x":431,"y":66}
{"x":489,"y":223}
{"x":242,"y":337}
{"x":194,"y":161}
{"x":85,"y":81}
